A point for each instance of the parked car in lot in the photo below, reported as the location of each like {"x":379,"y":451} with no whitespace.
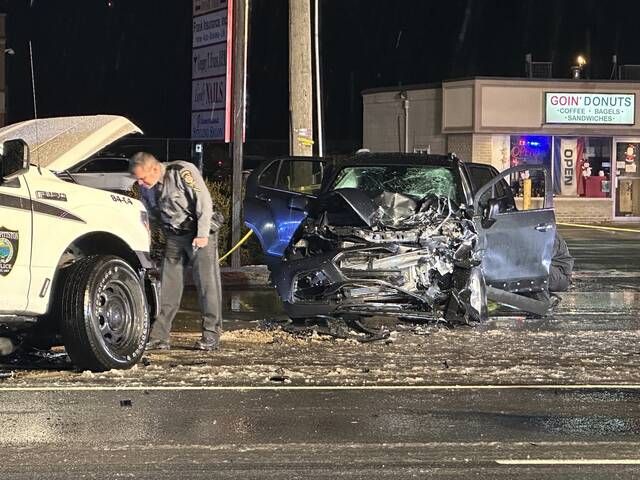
{"x":103,"y":172}
{"x":409,"y":235}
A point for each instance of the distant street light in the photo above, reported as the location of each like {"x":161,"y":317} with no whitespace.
{"x":576,"y":70}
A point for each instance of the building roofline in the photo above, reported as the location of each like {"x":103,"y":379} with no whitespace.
{"x":400,"y":88}
{"x":435,"y":85}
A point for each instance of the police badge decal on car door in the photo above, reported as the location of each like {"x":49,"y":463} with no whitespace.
{"x":9,"y":240}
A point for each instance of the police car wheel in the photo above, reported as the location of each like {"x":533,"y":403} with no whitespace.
{"x":104,"y":314}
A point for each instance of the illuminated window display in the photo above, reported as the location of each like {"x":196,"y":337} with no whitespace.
{"x":531,"y":150}
{"x":582,"y":166}
{"x":627,"y":179}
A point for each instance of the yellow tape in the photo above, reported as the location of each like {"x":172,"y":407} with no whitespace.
{"x":236,"y":246}
{"x":597,"y":227}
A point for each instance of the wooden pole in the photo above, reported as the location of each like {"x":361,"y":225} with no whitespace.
{"x":240,"y":9}
{"x":300,"y":78}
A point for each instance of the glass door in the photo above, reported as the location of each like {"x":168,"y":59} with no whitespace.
{"x":627,"y":179}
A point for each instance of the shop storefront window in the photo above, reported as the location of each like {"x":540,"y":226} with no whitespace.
{"x":582,"y":166}
{"x":531,"y":150}
{"x":628,"y":179}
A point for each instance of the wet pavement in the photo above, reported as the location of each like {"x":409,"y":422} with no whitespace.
{"x":557,"y":396}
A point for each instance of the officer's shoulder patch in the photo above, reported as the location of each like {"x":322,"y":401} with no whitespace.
{"x":187,"y":176}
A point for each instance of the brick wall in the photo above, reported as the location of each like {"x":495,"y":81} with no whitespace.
{"x":482,"y":149}
{"x":461,"y":145}
{"x":578,"y":210}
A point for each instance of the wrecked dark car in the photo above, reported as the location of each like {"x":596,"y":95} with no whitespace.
{"x":414,"y":236}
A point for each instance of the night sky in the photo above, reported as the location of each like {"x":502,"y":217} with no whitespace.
{"x":133,"y":57}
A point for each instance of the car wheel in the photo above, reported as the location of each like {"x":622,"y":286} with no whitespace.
{"x":104,"y":314}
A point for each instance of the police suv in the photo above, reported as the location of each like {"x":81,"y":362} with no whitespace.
{"x":75,"y":266}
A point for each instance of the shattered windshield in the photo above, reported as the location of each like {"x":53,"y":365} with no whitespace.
{"x":416,"y":181}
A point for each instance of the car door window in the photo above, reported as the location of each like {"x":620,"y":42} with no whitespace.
{"x":300,"y":176}
{"x":268,"y":177}
{"x":480,"y":175}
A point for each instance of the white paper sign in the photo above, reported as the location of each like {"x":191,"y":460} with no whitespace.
{"x":590,"y":108}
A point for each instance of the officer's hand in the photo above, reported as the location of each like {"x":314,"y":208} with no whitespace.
{"x":201,"y":242}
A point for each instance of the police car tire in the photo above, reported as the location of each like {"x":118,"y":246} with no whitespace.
{"x":85,"y":285}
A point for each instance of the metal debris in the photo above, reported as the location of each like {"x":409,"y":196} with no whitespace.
{"x":409,"y":259}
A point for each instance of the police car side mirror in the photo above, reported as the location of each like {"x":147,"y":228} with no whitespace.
{"x":14,"y":159}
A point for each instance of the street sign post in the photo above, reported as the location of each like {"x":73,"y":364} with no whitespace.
{"x":211,"y":70}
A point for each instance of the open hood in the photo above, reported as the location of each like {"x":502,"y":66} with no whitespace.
{"x":62,"y":142}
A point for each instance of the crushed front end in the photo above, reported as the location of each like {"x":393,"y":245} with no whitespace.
{"x":390,"y":255}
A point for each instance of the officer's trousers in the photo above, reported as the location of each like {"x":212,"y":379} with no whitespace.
{"x":206,"y":275}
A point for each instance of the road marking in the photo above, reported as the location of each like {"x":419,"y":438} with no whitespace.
{"x":568,"y":461}
{"x":115,"y":388}
{"x":597,"y":227}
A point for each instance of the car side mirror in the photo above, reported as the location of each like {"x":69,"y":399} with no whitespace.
{"x":491,"y":212}
{"x":298,"y":203}
{"x":14,"y":159}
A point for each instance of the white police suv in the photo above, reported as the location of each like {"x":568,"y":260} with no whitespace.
{"x":75,"y":267}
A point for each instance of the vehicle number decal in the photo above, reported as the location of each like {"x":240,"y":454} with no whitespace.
{"x":56,"y":196}
{"x":121,"y":199}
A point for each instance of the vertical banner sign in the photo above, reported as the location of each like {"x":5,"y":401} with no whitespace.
{"x":211,"y":70}
{"x":568,"y":162}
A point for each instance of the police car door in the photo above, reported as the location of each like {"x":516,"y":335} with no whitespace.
{"x":15,"y":242}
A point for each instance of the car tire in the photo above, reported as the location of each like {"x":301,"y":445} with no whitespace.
{"x":104,"y":314}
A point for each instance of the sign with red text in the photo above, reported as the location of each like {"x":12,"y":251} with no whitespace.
{"x":590,"y":108}
{"x":211,"y":70}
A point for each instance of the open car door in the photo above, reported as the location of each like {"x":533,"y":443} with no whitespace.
{"x":277,"y":199}
{"x":516,"y":245}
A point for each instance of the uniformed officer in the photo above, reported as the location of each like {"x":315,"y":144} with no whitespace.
{"x":177,"y":198}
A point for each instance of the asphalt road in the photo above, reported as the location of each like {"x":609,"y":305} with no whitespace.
{"x":385,"y":411}
{"x":319,"y":433}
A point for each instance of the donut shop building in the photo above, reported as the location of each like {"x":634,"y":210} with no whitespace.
{"x":587,"y":133}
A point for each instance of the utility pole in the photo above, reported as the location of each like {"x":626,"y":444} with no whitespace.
{"x":300,"y":78}
{"x":240,"y":9}
{"x":316,"y":54}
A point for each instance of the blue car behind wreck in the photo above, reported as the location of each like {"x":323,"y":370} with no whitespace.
{"x":408,"y":235}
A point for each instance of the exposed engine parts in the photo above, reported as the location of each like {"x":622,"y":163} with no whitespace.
{"x":408,"y":256}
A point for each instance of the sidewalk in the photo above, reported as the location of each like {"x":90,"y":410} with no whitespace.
{"x":246,"y":276}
